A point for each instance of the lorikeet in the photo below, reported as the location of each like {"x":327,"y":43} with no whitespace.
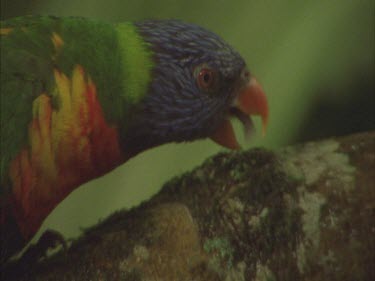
{"x":81,"y":97}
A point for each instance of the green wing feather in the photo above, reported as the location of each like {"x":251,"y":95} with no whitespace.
{"x":26,"y":72}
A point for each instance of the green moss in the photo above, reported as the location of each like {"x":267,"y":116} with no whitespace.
{"x":133,"y":275}
{"x":236,"y":174}
{"x":221,"y":252}
{"x":263,"y":273}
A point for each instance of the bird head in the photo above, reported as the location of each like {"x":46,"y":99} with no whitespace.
{"x":199,"y":82}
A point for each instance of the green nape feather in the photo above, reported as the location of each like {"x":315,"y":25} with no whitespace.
{"x":138,"y":57}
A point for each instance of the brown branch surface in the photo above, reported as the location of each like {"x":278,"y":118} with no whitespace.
{"x":302,"y":213}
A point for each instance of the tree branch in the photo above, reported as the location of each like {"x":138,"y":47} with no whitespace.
{"x":305,"y":212}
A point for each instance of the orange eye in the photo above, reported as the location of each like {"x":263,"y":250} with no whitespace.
{"x":206,"y":79}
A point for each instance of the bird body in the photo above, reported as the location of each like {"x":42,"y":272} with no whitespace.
{"x":81,"y":97}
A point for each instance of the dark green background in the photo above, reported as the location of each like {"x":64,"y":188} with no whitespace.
{"x":315,"y":60}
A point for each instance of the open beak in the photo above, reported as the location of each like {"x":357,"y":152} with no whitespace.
{"x":251,"y":100}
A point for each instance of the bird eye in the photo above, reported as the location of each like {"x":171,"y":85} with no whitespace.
{"x":206,"y":78}
{"x":246,"y":74}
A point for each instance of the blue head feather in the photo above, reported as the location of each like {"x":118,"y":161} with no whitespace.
{"x":175,"y":108}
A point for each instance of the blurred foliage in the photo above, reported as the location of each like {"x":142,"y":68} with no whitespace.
{"x":315,"y":60}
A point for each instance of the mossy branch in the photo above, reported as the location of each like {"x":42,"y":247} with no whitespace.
{"x":301,"y":213}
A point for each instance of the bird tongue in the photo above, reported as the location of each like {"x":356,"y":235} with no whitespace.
{"x":250,"y":101}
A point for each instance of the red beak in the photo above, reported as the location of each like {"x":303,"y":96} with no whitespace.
{"x":251,"y":100}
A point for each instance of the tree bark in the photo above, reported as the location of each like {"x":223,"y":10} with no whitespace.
{"x":305,"y":212}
